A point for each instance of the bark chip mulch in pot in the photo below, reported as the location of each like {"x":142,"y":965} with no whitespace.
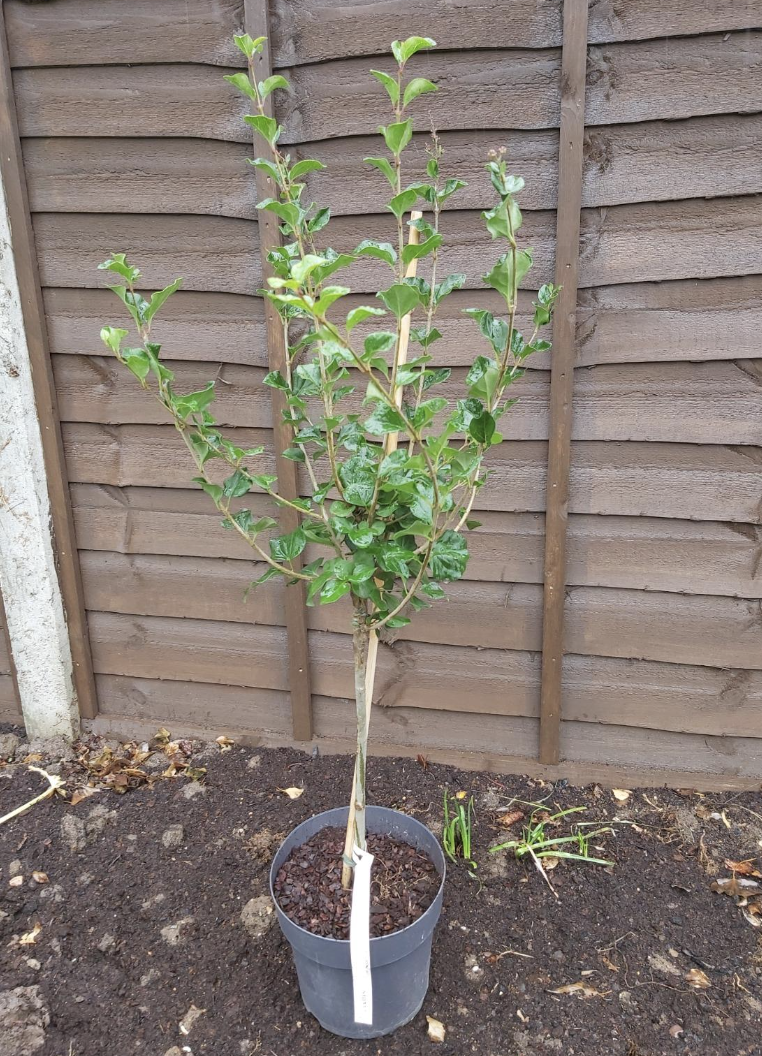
{"x":135,"y":915}
{"x":404,"y":883}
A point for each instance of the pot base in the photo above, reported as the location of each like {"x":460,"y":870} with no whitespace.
{"x":399,"y":961}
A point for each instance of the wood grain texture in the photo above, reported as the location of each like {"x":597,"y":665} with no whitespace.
{"x":668,"y":79}
{"x":9,"y":705}
{"x":189,"y":325}
{"x":71,"y":33}
{"x":257,"y":24}
{"x":25,"y":264}
{"x":310,"y":31}
{"x":649,"y":161}
{"x":171,"y":100}
{"x":560,"y":411}
{"x":644,"y":553}
{"x":623,"y":244}
{"x":688,"y":481}
{"x":211,"y":252}
{"x":78,"y":32}
{"x":704,"y":631}
{"x":685,"y":699}
{"x":674,"y":402}
{"x":711,"y":319}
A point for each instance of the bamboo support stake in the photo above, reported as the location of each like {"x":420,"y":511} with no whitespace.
{"x":390,"y":444}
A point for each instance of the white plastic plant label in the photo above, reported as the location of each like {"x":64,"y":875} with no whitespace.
{"x":359,"y":938}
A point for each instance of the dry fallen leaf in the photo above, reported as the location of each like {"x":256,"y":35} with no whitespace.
{"x":737,"y":887}
{"x":186,"y":1023}
{"x":511,"y":818}
{"x":30,"y":938}
{"x":40,"y":878}
{"x":82,"y":793}
{"x":436,"y":1029}
{"x":162,"y":736}
{"x":549,"y":862}
{"x":33,"y":757}
{"x":16,"y":881}
{"x":751,"y":915}
{"x":621,"y":795}
{"x":461,"y":795}
{"x":744,"y":868}
{"x":292,"y":793}
{"x":225,"y":743}
{"x":581,"y":989}
{"x":697,"y":979}
{"x":675,"y":1031}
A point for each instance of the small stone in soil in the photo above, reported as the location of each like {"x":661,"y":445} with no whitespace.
{"x":404,"y":883}
{"x":173,"y":837}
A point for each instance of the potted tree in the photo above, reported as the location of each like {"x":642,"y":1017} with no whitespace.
{"x":391,"y":471}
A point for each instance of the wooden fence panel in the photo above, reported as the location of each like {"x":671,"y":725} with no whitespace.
{"x":131,"y":140}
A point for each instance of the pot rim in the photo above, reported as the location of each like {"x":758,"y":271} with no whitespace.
{"x":376,"y":938}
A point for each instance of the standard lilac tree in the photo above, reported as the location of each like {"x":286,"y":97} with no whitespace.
{"x":387,"y":522}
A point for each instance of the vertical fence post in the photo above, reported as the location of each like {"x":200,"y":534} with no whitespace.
{"x":40,"y":567}
{"x":573,"y":70}
{"x":256,"y":23}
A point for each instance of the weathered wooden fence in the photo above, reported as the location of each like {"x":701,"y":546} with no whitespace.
{"x":649,"y":577}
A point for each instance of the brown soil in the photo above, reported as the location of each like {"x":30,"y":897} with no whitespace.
{"x":153,"y":913}
{"x":308,"y":885}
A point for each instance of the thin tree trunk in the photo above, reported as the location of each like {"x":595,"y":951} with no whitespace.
{"x":356,"y":826}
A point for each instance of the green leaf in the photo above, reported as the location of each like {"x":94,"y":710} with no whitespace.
{"x":449,"y":557}
{"x":502,"y":278}
{"x":446,"y":286}
{"x":397,"y":621}
{"x":423,"y":336}
{"x":275,"y":380}
{"x":294,"y":454}
{"x":270,"y":573}
{"x":432,"y":590}
{"x":495,"y":330}
{"x":267,"y":127}
{"x":268,"y":166}
{"x":380,"y":250}
{"x":242,"y":83}
{"x":384,"y":419}
{"x":269,"y":85}
{"x":117,"y":263}
{"x":400,"y":299}
{"x":395,"y":557}
{"x":418,"y":86}
{"x":289,"y":212}
{"x":288,"y":547}
{"x":328,"y":296}
{"x":414,"y":251}
{"x":360,"y":314}
{"x":237,"y":484}
{"x":158,"y":298}
{"x":213,"y":490}
{"x":402,"y":203}
{"x":405,"y":49}
{"x":264,"y":480}
{"x":358,"y":480}
{"x":361,"y":536}
{"x":137,"y":360}
{"x":302,"y":269}
{"x":383,"y":165}
{"x":379,"y":341}
{"x":303,"y":167}
{"x":194,"y":402}
{"x":397,"y":135}
{"x":390,"y":83}
{"x":248,"y":46}
{"x":112,"y":338}
{"x":482,"y":428}
{"x":450,"y":187}
{"x":333,"y":590}
{"x":319,"y":220}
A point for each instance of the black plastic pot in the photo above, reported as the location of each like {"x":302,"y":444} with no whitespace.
{"x":399,"y":962}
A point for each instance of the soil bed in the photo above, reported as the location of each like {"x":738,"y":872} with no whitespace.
{"x":141,"y":922}
{"x":308,"y":885}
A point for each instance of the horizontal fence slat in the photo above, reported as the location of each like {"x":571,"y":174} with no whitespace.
{"x":626,"y":243}
{"x":693,"y":482}
{"x":650,"y":161}
{"x":644,"y":553}
{"x":700,"y":630}
{"x":71,"y":32}
{"x":673,"y":402}
{"x":634,"y":695}
{"x":189,"y":324}
{"x":80,"y":32}
{"x":214,"y":253}
{"x":711,"y":319}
